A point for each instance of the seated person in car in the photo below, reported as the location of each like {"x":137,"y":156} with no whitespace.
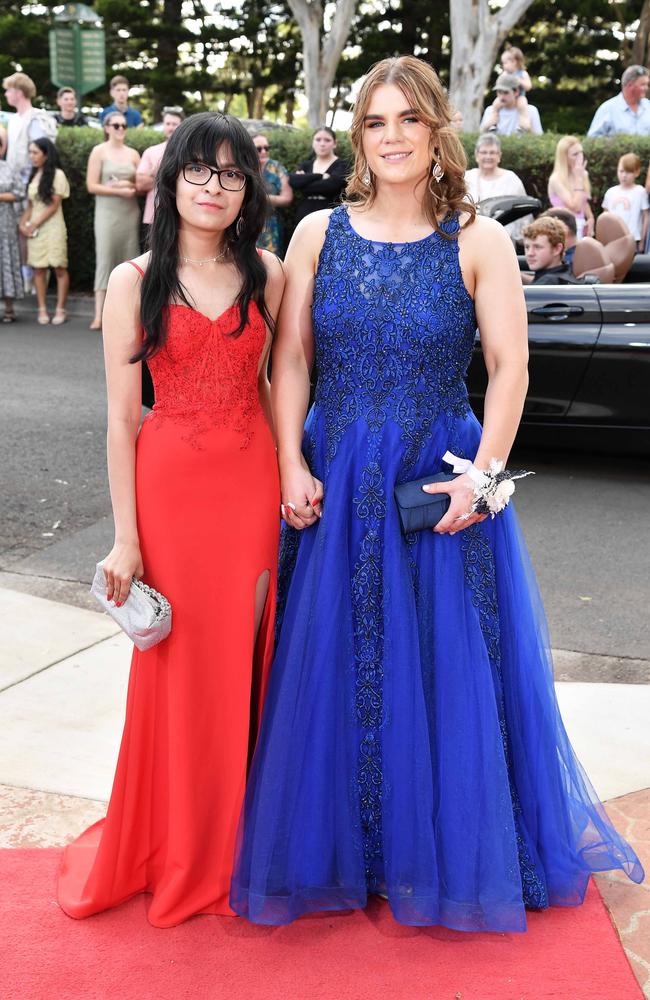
{"x":570,"y":227}
{"x":544,"y":243}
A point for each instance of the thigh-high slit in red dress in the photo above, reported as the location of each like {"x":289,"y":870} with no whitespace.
{"x":208,"y":497}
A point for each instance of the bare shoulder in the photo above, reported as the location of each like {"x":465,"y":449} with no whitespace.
{"x":484,"y":239}
{"x":125,"y":279}
{"x":309,"y":236}
{"x":274,"y":269}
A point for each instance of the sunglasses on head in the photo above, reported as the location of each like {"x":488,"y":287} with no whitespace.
{"x":117,"y":126}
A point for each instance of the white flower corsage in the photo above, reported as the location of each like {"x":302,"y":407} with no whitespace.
{"x":493,"y":486}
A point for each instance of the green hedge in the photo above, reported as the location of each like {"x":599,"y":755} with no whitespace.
{"x":531,"y":158}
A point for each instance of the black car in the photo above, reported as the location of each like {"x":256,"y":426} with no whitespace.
{"x":589,"y":367}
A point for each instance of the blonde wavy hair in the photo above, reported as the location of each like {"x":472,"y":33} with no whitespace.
{"x":561,"y":170}
{"x":426,"y":96}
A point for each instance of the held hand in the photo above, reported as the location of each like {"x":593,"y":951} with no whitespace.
{"x":461,"y":492}
{"x":302,"y":496}
{"x":123,"y":562}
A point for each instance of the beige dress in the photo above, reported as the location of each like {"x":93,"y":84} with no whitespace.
{"x":49,"y":247}
{"x":117,"y":224}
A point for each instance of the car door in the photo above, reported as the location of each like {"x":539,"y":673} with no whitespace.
{"x":615,"y":391}
{"x":564,"y":322}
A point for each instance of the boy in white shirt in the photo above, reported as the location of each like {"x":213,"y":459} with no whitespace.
{"x":629,"y":200}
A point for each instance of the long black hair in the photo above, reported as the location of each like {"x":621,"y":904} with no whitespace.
{"x":198,"y":139}
{"x":46,"y":183}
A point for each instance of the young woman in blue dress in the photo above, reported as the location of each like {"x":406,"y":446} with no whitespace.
{"x":411,"y":744}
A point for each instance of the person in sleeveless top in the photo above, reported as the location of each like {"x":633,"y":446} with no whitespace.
{"x":411,"y":745}
{"x":196,"y":504}
{"x":110,"y":176}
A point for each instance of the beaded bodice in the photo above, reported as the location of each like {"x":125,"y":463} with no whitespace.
{"x":394,"y":330}
{"x":206,"y":377}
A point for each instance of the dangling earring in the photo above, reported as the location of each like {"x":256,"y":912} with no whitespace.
{"x":239,"y":228}
{"x":365,"y":179}
{"x":437,"y":171}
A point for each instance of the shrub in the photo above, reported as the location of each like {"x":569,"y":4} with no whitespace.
{"x":531,"y":158}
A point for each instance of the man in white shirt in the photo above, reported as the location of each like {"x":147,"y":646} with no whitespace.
{"x":27,"y":124}
{"x":629,"y":112}
{"x":504,"y":117}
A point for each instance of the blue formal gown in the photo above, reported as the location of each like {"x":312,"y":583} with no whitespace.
{"x":411,"y":743}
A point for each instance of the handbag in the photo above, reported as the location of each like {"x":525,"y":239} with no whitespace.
{"x":145,"y":616}
{"x":418,"y":510}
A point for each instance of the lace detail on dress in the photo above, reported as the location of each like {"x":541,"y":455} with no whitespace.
{"x":367,"y":601}
{"x":481,"y":578}
{"x":394,"y":330}
{"x":205,"y":378}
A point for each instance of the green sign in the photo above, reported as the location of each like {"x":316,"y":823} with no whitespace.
{"x":77,"y":57}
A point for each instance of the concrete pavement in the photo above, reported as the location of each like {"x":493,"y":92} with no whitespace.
{"x":63,"y":678}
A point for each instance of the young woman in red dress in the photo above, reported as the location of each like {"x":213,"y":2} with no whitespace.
{"x":196,"y":504}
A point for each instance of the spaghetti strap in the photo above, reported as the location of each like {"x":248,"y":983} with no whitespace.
{"x":136,"y":266}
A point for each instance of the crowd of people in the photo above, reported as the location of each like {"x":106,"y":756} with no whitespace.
{"x":33,"y":239}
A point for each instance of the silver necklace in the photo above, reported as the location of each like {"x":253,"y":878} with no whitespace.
{"x":205,"y":260}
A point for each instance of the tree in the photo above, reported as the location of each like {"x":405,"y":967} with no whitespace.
{"x":591,"y":40}
{"x":641,"y":47}
{"x":321,"y":50}
{"x":24,"y":43}
{"x":388,"y":29}
{"x":476,"y":34}
{"x":263,"y":58}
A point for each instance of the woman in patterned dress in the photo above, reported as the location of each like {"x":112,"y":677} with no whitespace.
{"x":276,"y":178}
{"x":12,"y":190}
{"x":411,"y":744}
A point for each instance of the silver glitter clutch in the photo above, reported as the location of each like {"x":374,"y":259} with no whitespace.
{"x":145,"y":616}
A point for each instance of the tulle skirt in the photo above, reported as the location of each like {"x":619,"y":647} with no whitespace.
{"x":411,"y":742}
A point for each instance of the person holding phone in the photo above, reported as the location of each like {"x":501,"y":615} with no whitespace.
{"x":569,"y":186}
{"x":110,"y":176}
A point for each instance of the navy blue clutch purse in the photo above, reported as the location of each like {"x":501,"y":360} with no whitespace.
{"x":418,"y":510}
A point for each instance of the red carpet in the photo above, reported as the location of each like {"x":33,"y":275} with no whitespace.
{"x":566,"y":955}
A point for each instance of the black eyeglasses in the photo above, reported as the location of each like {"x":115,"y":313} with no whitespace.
{"x":262,"y":149}
{"x":200,"y":173}
{"x":117,"y":127}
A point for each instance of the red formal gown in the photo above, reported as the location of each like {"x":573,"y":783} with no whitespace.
{"x":208,"y":499}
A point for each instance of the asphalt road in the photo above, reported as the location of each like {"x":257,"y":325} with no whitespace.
{"x":585,"y":516}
